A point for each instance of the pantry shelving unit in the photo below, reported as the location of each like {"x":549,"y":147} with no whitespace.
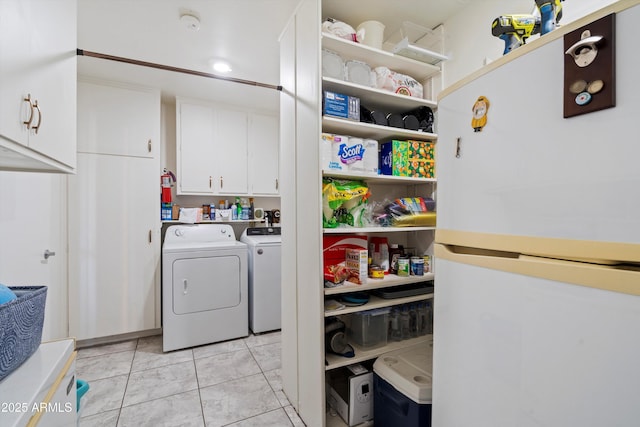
{"x":304,"y":361}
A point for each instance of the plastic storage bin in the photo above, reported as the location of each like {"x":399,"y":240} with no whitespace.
{"x":21,"y":323}
{"x":403,"y":388}
{"x":368,"y":329}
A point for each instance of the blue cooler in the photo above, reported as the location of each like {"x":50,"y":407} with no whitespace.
{"x":402,"y":387}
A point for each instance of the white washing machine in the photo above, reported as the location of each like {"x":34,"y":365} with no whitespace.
{"x":264,"y":277}
{"x":204,"y":286}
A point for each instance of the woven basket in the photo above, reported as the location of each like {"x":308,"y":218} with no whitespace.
{"x":21,"y":323}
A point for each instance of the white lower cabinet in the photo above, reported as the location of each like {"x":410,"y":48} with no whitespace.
{"x":114,"y":235}
{"x":42,"y":391}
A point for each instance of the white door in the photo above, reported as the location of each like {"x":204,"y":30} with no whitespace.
{"x":196,"y":154}
{"x":230,"y":147}
{"x":264,"y":152}
{"x":116,"y":119}
{"x":514,"y":350}
{"x":532,"y":172}
{"x":32,"y":221}
{"x":114,"y":245}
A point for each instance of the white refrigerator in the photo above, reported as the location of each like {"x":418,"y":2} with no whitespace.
{"x":537,"y":255}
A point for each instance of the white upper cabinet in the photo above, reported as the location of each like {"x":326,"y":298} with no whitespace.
{"x":38,"y":85}
{"x":264,"y":149}
{"x":119,"y":121}
{"x":221,"y":150}
{"x":195,"y":149}
{"x":230,"y":146}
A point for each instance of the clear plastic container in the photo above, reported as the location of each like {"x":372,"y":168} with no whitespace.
{"x":368,"y":329}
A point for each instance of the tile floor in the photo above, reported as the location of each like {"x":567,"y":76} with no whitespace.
{"x":233,"y":383}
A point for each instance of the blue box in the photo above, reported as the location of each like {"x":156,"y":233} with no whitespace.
{"x":341,"y":106}
{"x":403,"y":387}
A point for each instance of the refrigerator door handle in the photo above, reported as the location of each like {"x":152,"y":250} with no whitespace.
{"x":617,"y":278}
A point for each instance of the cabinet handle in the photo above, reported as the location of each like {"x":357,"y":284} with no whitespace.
{"x":221,"y":183}
{"x":184,"y":286}
{"x":28,"y":122}
{"x":149,"y":146}
{"x":150,"y":236}
{"x":36,"y":127}
{"x":458,"y":140}
{"x":277,"y":184}
{"x":210,"y":181}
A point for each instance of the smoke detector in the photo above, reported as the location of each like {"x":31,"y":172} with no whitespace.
{"x":190,"y":21}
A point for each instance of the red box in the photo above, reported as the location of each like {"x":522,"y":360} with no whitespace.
{"x":334,"y":247}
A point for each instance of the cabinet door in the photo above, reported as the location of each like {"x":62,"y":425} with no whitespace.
{"x":230,"y":147}
{"x":114,"y":246}
{"x":38,"y":60}
{"x":116,"y":119}
{"x":196,"y":153}
{"x":16,"y":67}
{"x":54,"y":87}
{"x":264,"y":152}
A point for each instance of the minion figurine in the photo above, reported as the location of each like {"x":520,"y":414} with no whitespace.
{"x":480,"y":109}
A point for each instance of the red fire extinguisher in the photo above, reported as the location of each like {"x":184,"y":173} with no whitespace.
{"x":166,"y":182}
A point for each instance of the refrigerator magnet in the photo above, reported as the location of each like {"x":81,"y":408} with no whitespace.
{"x":479,"y":109}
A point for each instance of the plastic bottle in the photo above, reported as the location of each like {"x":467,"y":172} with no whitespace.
{"x":429,"y":318}
{"x":394,"y":325}
{"x":251,"y":208}
{"x":234,"y":212}
{"x":238,"y":208}
{"x":422,"y":319}
{"x":413,"y":321}
{"x":395,"y":251}
{"x":405,"y":323}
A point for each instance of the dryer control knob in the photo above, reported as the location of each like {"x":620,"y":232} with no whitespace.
{"x":260,"y":251}
{"x":179,"y":232}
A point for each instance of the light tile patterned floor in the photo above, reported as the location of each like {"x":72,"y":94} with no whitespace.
{"x":233,"y":383}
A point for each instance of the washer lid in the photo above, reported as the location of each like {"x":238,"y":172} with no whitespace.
{"x":262,"y":235}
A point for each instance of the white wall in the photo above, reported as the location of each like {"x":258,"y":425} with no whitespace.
{"x":469,"y":42}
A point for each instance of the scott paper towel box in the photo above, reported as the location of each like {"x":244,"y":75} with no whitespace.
{"x":367,"y":161}
{"x":330,"y":146}
{"x":359,"y":155}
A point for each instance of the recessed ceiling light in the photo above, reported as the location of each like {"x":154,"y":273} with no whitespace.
{"x":222,"y":66}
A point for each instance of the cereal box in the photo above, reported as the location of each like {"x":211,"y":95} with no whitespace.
{"x":357,"y":263}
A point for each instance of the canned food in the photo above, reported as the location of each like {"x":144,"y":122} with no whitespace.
{"x":427,"y":263}
{"x":403,"y":267}
{"x":417,"y":266}
{"x":376,"y":272}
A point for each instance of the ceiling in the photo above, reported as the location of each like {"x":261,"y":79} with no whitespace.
{"x":244,"y":32}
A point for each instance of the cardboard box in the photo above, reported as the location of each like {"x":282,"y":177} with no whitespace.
{"x":334,"y":247}
{"x":340,"y":105}
{"x":421,"y":150}
{"x":418,"y":168}
{"x":330,"y":146}
{"x":394,"y":158}
{"x":357,"y":263}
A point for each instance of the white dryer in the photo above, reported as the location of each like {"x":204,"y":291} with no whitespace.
{"x":204,"y":286}
{"x":264,"y":277}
